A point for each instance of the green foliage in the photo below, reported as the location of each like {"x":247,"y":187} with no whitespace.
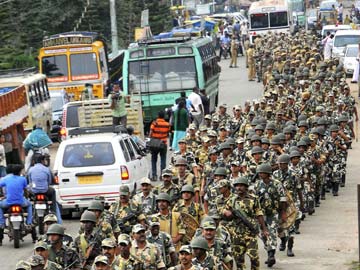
{"x":23,"y":24}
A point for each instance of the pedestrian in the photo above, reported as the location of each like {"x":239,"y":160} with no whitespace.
{"x":234,"y":50}
{"x":244,"y":31}
{"x":117,"y":100}
{"x":2,"y":157}
{"x":159,"y":131}
{"x":205,"y":100}
{"x":181,"y":122}
{"x":327,"y":43}
{"x":251,"y":62}
{"x":197,"y":112}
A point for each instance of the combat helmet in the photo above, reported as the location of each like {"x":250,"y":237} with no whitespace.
{"x":96,"y":205}
{"x":88,"y":216}
{"x":56,"y":229}
{"x":163,"y":197}
{"x":199,"y":242}
{"x":264,"y":168}
{"x":220,"y":171}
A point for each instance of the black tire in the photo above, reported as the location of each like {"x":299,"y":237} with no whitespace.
{"x":41,"y":225}
{"x":17,"y":237}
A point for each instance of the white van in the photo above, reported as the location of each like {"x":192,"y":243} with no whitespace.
{"x":332,"y":28}
{"x":342,"y":39}
{"x":96,"y":164}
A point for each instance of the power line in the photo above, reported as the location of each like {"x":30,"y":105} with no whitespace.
{"x":7,"y":1}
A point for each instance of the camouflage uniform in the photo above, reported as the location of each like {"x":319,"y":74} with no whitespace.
{"x":49,"y":265}
{"x":83,"y":241}
{"x":131,"y":263}
{"x":150,"y":256}
{"x":210,"y":262}
{"x":173,"y":191}
{"x":270,"y":196}
{"x":164,"y":242}
{"x":189,"y":156}
{"x":120,"y":212}
{"x":192,"y":142}
{"x":148,"y":203}
{"x":66,"y":257}
{"x":224,"y":119}
{"x":194,"y":209}
{"x":244,"y":241}
{"x":202,"y":155}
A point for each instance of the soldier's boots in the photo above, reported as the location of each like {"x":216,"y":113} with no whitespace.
{"x":290,"y":245}
{"x":323,"y":191}
{"x":282,"y":246}
{"x":335,"y":189}
{"x":271,"y":258}
{"x":312,"y":205}
{"x":1,"y":235}
{"x":343,"y":177}
{"x":297,"y":226}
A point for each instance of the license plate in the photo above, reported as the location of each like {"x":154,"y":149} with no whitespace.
{"x":88,"y":180}
{"x":40,"y":206}
{"x":16,"y":218}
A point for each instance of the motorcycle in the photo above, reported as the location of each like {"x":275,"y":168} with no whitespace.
{"x":41,"y":205}
{"x":225,"y":50}
{"x":15,"y":225}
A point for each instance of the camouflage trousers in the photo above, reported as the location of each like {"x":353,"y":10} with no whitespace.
{"x":338,"y":171}
{"x":272,"y":224}
{"x":244,"y":243}
{"x":309,"y":194}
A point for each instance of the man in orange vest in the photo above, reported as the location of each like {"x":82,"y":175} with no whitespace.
{"x":159,"y":130}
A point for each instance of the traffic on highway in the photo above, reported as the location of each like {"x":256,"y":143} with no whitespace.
{"x":151,"y":158}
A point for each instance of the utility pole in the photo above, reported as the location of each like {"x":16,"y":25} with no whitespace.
{"x":114,"y":34}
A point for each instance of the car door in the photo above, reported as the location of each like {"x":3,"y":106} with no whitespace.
{"x":131,"y":161}
{"x":142,"y":161}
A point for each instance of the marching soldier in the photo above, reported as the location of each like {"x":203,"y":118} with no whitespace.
{"x":146,"y":198}
{"x":58,"y":252}
{"x":168,"y":186}
{"x":147,"y":253}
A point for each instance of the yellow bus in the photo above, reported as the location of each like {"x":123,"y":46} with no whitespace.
{"x":37,"y":98}
{"x":71,"y":60}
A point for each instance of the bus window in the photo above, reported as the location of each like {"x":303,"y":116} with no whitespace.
{"x":55,"y":66}
{"x":162,"y":74}
{"x":259,"y":20}
{"x":211,"y":69}
{"x":33,"y":95}
{"x":83,"y":66}
{"x":46,"y":89}
{"x":278,"y":19}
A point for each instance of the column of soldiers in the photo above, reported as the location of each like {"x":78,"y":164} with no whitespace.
{"x":255,"y":171}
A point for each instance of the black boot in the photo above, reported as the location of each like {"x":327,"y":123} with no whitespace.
{"x":271,"y":258}
{"x":335,"y":189}
{"x":297,"y":226}
{"x":290,"y":245}
{"x":317,"y":200}
{"x":323,"y":191}
{"x":282,"y":246}
{"x":342,"y":184}
{"x":1,"y":235}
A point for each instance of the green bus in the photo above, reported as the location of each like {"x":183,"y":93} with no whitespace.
{"x":160,"y":70}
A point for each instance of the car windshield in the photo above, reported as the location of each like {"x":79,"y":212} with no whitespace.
{"x":88,"y":155}
{"x":57,"y":103}
{"x":55,"y":66}
{"x":328,"y":4}
{"x":312,"y":13}
{"x":260,"y":20}
{"x":352,"y":52}
{"x":159,"y":75}
{"x":278,"y":19}
{"x":342,"y":41}
{"x":84,"y":66}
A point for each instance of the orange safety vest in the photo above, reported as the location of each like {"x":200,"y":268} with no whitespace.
{"x":160,"y":129}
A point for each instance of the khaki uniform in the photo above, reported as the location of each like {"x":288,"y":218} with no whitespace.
{"x":251,"y":63}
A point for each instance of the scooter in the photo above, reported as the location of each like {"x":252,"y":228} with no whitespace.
{"x":41,"y":205}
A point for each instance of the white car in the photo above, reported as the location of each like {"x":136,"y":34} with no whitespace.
{"x":342,"y":39}
{"x":96,"y":164}
{"x":350,"y":58}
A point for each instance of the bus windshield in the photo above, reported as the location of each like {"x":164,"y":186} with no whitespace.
{"x":84,"y":66}
{"x":162,"y":74}
{"x":278,"y":19}
{"x":55,"y":66}
{"x":342,"y":41}
{"x":259,"y":20}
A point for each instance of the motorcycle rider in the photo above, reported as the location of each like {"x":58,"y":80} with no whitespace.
{"x":40,"y":178}
{"x":225,"y":41}
{"x":14,"y":185}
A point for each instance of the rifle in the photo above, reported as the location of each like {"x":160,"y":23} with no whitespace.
{"x":123,"y":221}
{"x":242,"y":216}
{"x":90,"y":247}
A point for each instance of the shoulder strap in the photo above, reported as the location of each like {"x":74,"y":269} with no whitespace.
{"x":83,"y":244}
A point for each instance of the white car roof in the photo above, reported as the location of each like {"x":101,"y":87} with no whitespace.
{"x":347,"y":33}
{"x":91,"y":138}
{"x":340,"y":26}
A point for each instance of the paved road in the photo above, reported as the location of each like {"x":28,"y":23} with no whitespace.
{"x":328,"y":239}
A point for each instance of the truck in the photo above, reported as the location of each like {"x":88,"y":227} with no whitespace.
{"x":13,"y":114}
